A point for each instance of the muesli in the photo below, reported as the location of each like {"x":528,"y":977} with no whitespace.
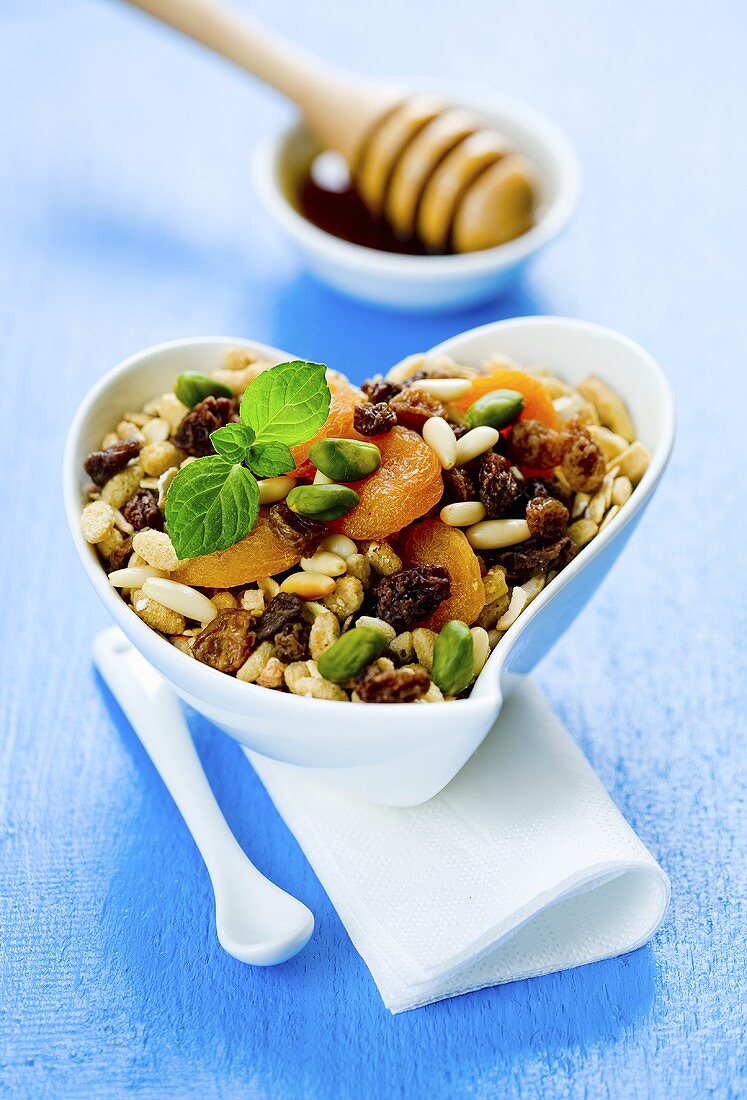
{"x":289,"y":529}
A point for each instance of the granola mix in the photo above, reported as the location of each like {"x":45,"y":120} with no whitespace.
{"x":450,"y":497}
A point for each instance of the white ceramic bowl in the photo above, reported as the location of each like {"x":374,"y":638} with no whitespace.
{"x":398,"y":754}
{"x":427,"y":283}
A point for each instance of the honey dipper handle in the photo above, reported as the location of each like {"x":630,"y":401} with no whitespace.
{"x":339,"y":109}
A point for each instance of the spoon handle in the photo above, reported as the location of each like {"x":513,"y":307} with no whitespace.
{"x":340,"y":109}
{"x":155,"y":714}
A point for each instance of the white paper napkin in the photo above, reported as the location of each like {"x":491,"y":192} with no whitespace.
{"x":521,"y":866}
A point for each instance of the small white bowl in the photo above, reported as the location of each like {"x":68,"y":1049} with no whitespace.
{"x":399,"y":754}
{"x":425,"y":283}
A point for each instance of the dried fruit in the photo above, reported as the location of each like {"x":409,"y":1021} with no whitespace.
{"x":142,"y":510}
{"x":345,"y":459}
{"x":547,"y":517}
{"x":101,"y":465}
{"x":261,"y":554}
{"x":120,"y":555}
{"x":411,"y":596}
{"x":532,"y":444}
{"x":351,"y":652}
{"x":379,"y":390}
{"x":283,"y":610}
{"x":392,"y":685}
{"x":299,"y":532}
{"x":414,"y":407}
{"x":496,"y":409}
{"x":322,"y":502}
{"x":292,"y":642}
{"x":533,"y":556}
{"x":193,"y":434}
{"x":453,"y":658}
{"x":459,"y":485}
{"x":405,"y":487}
{"x":583,"y":463}
{"x":226,"y":642}
{"x":434,"y":543}
{"x":374,"y":419}
{"x":498,"y":487}
{"x":537,"y":403}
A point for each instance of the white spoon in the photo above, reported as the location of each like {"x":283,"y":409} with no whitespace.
{"x":256,"y":921}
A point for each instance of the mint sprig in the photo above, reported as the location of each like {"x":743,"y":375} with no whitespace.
{"x":213,"y":502}
{"x":287,"y":404}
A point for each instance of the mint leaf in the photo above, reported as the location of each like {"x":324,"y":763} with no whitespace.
{"x":288,"y":403}
{"x":232,"y":442}
{"x":270,"y":459}
{"x":211,"y":505}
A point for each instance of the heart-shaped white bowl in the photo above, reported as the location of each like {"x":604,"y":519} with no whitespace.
{"x":397,"y":754}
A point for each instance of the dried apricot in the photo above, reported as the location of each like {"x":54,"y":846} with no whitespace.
{"x":339,"y":422}
{"x":406,"y":485}
{"x":537,"y":404}
{"x":433,"y":542}
{"x":260,"y":554}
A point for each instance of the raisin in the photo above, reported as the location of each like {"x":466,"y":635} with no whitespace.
{"x":292,"y":642}
{"x":142,"y":510}
{"x":414,"y":407}
{"x":546,"y":517}
{"x":411,"y":595}
{"x":374,"y":419}
{"x":378,"y":389}
{"x":226,"y":642}
{"x":193,"y":434}
{"x":101,"y":465}
{"x":392,"y":685}
{"x":120,"y":554}
{"x":531,"y":443}
{"x":297,"y":531}
{"x":534,"y":556}
{"x":583,"y":463}
{"x":544,"y":487}
{"x":499,"y":488}
{"x":459,"y":485}
{"x":281,"y":611}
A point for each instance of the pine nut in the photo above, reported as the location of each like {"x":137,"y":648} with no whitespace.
{"x":621,"y":490}
{"x":476,"y":442}
{"x":492,"y":534}
{"x":480,"y":648}
{"x":273,"y":489}
{"x":268,"y":586}
{"x":308,"y":586}
{"x":339,"y":544}
{"x":440,"y":437}
{"x":181,"y":598}
{"x":610,"y":516}
{"x":463,"y":513}
{"x":519,"y":600}
{"x":322,"y":479}
{"x":324,"y":561}
{"x":445,"y":389}
{"x":134,"y":576}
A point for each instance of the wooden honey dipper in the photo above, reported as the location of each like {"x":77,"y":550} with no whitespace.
{"x":429,"y":168}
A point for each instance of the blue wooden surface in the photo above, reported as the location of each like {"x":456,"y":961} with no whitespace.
{"x":127,"y":217}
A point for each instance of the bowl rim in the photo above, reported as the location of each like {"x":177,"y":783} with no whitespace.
{"x":553,"y":220}
{"x":217,"y":689}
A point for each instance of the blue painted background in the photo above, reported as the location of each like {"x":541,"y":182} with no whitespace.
{"x":127,"y":217}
